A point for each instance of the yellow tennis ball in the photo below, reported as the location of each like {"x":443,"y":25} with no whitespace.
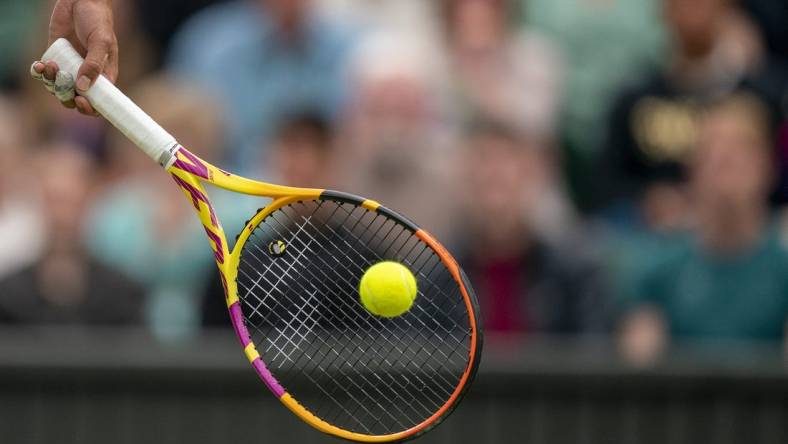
{"x":388,"y":289}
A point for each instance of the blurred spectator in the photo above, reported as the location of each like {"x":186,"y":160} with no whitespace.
{"x":605,"y":43}
{"x":143,"y":224}
{"x":413,"y":17}
{"x":652,"y":128}
{"x":514,"y":77}
{"x":67,"y":284}
{"x":158,"y":18}
{"x":302,"y":154}
{"x":729,"y":280}
{"x":20,"y":224}
{"x":266,"y":58}
{"x":396,"y":143}
{"x":525,"y":284}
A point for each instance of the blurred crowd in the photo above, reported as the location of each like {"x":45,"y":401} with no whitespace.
{"x":599,"y":167}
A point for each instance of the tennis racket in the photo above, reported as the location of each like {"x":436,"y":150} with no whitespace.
{"x":291,"y":284}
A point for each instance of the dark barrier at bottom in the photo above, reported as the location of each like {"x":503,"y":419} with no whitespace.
{"x":121,"y":387}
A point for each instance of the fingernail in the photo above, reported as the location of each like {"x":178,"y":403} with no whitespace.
{"x":39,"y":66}
{"x":83,"y":83}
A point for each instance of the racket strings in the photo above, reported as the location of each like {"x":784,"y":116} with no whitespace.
{"x":418,"y":272}
{"x":435,"y":263}
{"x":319,"y":366}
{"x":439,"y":350}
{"x":355,"y":320}
{"x":335,"y":359}
{"x":401,"y":351}
{"x":350,"y":368}
{"x":377,"y":353}
{"x":416,"y":242}
{"x":424,"y":248}
{"x":336,"y":355}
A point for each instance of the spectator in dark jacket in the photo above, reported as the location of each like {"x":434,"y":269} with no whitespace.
{"x":652,"y":129}
{"x":526,"y":282}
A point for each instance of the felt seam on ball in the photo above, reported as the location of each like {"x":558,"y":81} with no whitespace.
{"x":407,"y":284}
{"x":371,"y":302}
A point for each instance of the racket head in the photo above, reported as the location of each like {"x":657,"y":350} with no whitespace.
{"x":292,"y":291}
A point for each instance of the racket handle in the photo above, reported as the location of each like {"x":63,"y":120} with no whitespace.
{"x":116,"y":107}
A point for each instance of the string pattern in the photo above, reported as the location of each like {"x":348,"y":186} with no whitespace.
{"x":298,"y":284}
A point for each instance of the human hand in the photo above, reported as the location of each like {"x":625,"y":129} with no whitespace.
{"x":88,"y":25}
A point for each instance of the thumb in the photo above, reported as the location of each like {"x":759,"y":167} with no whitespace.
{"x":98,"y":51}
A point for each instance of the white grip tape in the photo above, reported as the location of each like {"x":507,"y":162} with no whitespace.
{"x":117,"y":108}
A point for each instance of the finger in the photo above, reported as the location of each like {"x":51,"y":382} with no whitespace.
{"x":47,"y":76}
{"x":37,"y":70}
{"x":98,"y":47}
{"x":84,"y":107}
{"x":50,"y":71}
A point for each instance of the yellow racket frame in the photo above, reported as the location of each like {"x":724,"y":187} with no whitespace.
{"x":190,"y":172}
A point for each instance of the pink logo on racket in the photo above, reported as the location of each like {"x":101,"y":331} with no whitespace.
{"x":194,"y":165}
{"x":218,"y":252}
{"x":197,"y":197}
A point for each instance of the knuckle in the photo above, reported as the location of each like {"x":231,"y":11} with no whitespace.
{"x":104,"y":40}
{"x":91,"y":66}
{"x":101,"y":38}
